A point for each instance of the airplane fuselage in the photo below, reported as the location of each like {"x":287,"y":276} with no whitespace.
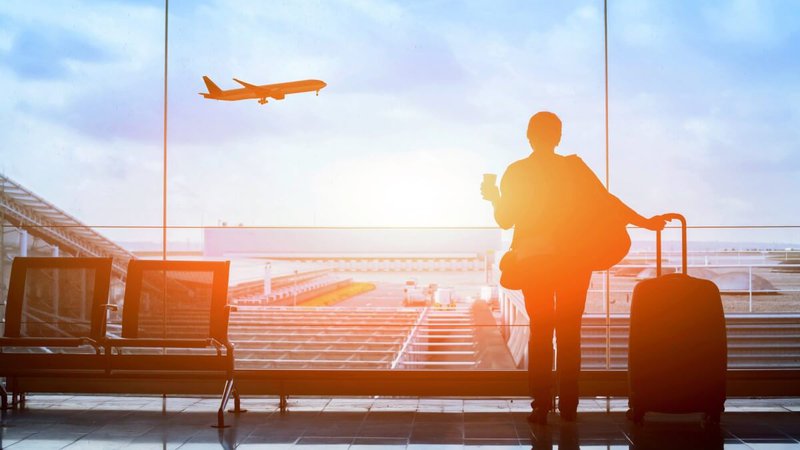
{"x":276,"y":91}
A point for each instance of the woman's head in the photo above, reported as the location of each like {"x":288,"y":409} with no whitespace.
{"x":544,"y":131}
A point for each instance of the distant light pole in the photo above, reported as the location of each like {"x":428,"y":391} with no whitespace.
{"x":607,"y":274}
{"x":164,"y":178}
{"x":294,"y":290}
{"x":488,"y":260}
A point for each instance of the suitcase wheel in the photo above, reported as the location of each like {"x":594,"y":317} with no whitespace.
{"x":635,"y":415}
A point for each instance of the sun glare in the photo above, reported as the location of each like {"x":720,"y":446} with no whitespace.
{"x":407,"y":189}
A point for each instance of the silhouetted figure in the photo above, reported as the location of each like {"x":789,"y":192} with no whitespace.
{"x":556,"y":204}
{"x":543,"y":438}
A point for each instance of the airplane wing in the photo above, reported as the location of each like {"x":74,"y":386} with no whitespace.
{"x":248,"y":85}
{"x":262,"y":90}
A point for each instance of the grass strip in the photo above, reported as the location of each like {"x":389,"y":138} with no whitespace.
{"x":339,"y":295}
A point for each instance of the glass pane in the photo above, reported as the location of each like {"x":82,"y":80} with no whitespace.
{"x":57,"y":303}
{"x":175,"y":304}
{"x":702,"y":109}
{"x":82,"y":110}
{"x":421,"y":100}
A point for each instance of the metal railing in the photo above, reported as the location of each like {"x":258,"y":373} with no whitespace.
{"x":750,"y":299}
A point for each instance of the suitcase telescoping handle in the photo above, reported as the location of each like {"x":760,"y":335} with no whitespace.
{"x":684,"y":256}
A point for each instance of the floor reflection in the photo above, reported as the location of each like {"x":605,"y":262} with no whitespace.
{"x":89,"y":422}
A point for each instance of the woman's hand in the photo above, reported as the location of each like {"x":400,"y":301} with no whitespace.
{"x":490,"y":192}
{"x":655,"y":223}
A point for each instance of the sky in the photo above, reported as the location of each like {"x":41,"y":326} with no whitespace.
{"x":422,"y":99}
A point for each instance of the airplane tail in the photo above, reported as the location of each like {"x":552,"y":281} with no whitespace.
{"x":213,"y":89}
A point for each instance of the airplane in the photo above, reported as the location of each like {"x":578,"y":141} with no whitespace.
{"x":277,"y":91}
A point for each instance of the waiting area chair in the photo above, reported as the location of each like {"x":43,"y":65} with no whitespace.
{"x":55,"y":320}
{"x":175,"y":326}
{"x":173,"y":338}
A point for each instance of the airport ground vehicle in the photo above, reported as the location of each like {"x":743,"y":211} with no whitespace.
{"x":443,"y":298}
{"x":414,"y":294}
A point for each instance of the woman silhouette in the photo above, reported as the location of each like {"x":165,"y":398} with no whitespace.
{"x":554,"y":203}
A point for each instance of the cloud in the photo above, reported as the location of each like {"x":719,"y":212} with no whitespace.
{"x":51,"y":53}
{"x":752,"y":23}
{"x":723,"y":164}
{"x":87,"y":66}
{"x":82,"y":176}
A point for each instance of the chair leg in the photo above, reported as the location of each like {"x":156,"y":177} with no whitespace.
{"x":13,"y":388}
{"x":237,"y":402}
{"x":17,"y":400}
{"x":282,"y":403}
{"x":3,"y":397}
{"x":226,"y":394}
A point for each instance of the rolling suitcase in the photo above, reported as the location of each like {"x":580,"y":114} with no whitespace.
{"x":677,"y":349}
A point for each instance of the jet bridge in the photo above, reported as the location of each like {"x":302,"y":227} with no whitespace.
{"x":30,"y":216}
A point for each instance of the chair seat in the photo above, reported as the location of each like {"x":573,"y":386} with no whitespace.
{"x":170,"y":363}
{"x":45,"y":342}
{"x":151,"y":343}
{"x":18,"y":364}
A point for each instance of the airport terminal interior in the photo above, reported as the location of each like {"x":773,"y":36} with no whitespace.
{"x":301,"y":256}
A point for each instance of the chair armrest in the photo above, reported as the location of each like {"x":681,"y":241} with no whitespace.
{"x":216,"y":344}
{"x":109,"y":307}
{"x":231,"y":308}
{"x":97,"y":345}
{"x":227,"y":345}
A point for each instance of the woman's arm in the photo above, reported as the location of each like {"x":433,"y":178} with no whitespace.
{"x":502,"y":214}
{"x":655,"y":223}
{"x":505,"y":207}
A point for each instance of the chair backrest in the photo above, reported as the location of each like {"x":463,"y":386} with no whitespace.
{"x":176,"y":300}
{"x":57,"y":297}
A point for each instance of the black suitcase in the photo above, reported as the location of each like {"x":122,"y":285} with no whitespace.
{"x":677,"y":350}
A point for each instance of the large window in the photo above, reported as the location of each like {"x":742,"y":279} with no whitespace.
{"x":353,"y":218}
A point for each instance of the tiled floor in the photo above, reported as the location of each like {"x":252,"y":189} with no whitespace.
{"x":94,"y":422}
